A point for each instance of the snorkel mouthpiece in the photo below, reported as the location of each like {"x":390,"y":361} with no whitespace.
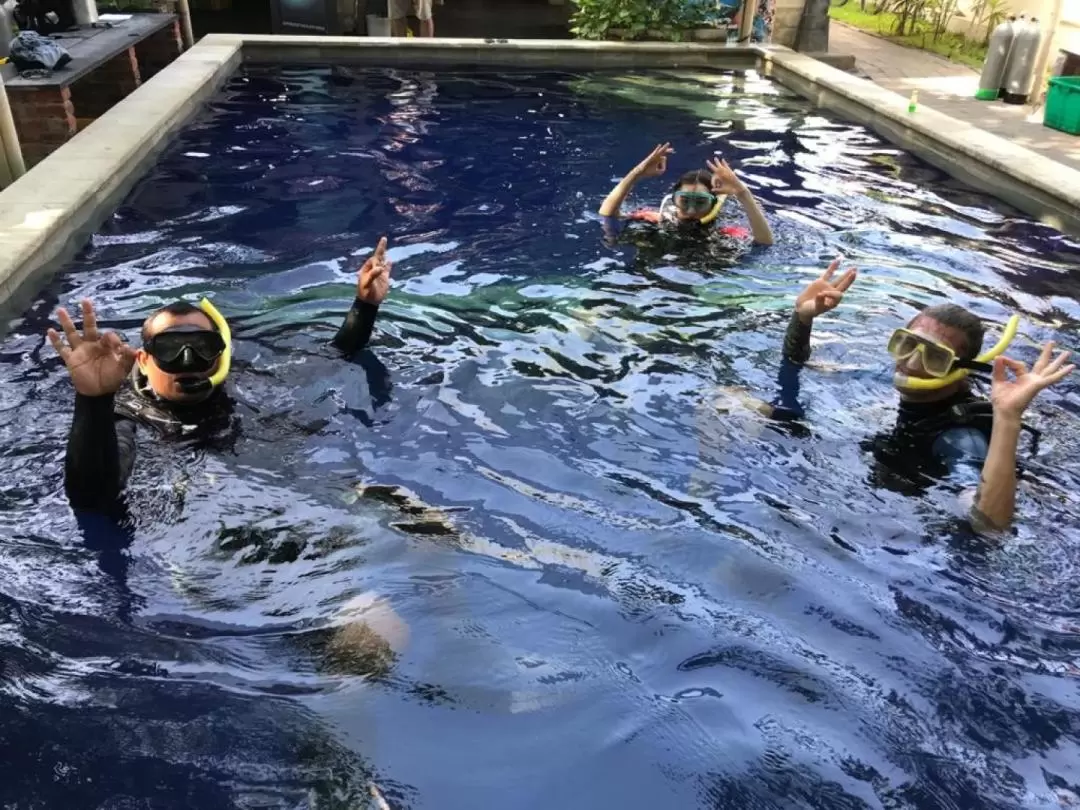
{"x":218,"y":377}
{"x":923,"y":384}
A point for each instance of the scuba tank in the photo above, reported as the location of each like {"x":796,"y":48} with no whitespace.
{"x":997,"y":60}
{"x":1020,"y":75}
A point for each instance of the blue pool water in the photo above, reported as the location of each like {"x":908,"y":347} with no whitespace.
{"x":631,"y":592}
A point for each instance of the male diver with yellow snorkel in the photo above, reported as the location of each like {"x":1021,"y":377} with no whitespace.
{"x":695,"y":201}
{"x":176,"y":381}
{"x":940,"y":418}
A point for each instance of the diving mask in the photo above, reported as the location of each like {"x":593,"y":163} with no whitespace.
{"x":940,"y":361}
{"x":694,"y":202}
{"x":185,"y":349}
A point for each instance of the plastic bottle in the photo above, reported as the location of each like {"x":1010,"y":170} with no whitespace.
{"x":997,"y":60}
{"x":913,"y":102}
{"x":1020,"y":75}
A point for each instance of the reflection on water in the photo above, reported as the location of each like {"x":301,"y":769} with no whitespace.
{"x":535,"y":531}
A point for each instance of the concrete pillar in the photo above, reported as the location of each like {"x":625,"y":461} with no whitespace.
{"x":812,"y":28}
{"x":11,"y":159}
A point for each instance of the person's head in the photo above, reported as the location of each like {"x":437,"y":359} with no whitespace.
{"x":693,"y":197}
{"x":181,"y":350}
{"x":945,"y":325}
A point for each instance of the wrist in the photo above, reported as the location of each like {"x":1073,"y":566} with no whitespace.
{"x":1007,"y":420}
{"x":742,"y":192}
{"x":805,"y":318}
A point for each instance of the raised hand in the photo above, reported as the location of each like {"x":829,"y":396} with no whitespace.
{"x":724,"y":179}
{"x":373,"y":280}
{"x":98,"y":363}
{"x":823,"y":294}
{"x":656,"y":163}
{"x":1011,"y":398}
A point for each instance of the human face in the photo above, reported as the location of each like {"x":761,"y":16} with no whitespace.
{"x":693,"y":202}
{"x":174,"y":385}
{"x":912,"y":366}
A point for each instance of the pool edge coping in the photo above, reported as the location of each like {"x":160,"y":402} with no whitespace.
{"x":48,"y":214}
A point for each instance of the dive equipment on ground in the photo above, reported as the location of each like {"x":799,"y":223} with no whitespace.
{"x":979,"y":363}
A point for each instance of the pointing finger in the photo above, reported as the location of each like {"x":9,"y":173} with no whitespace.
{"x":380,"y":249}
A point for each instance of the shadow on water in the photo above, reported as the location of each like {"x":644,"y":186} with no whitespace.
{"x":532,"y":532}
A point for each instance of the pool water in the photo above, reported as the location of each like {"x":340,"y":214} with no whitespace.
{"x":532,"y":550}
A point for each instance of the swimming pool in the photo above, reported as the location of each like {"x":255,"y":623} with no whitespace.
{"x":630,"y":597}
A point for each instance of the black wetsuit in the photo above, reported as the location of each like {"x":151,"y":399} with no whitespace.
{"x":929,"y":439}
{"x":101,"y":444}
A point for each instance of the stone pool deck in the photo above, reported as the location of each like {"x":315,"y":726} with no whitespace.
{"x":949,"y":88}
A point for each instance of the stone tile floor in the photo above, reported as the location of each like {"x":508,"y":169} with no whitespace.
{"x":949,"y":88}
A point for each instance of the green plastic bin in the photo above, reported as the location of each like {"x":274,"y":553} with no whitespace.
{"x":1063,"y":104}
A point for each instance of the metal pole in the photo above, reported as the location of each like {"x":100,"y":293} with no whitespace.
{"x":9,"y":140}
{"x":746,"y":22}
{"x":185,"y":23}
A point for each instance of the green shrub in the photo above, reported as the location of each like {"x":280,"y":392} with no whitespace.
{"x":672,"y":19}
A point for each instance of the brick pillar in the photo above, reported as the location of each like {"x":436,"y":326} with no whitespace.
{"x":45,"y":120}
{"x":103,"y":87}
{"x":158,"y":50}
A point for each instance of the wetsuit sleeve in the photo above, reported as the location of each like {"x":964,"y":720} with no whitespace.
{"x":796,"y":353}
{"x":100,"y":453}
{"x":797,"y":340}
{"x":355,"y":333}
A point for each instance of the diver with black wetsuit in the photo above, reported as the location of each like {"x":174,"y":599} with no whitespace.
{"x":176,"y":382}
{"x":940,"y":420}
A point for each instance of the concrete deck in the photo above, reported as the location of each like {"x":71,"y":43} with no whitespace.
{"x":949,"y":88}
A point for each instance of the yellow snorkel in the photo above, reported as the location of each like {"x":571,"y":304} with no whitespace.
{"x":715,"y":212}
{"x":922,"y":384}
{"x":225,"y":363}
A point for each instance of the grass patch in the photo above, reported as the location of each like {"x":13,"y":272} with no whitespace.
{"x":952,"y":46}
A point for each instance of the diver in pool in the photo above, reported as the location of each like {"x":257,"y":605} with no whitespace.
{"x":176,"y":382}
{"x":941,"y":422}
{"x":694,"y":203}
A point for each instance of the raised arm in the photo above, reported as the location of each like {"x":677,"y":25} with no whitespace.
{"x":725,"y":181}
{"x":995,"y":502}
{"x":99,"y":457}
{"x":652,"y":166}
{"x":822,"y":295}
{"x":372,"y":285}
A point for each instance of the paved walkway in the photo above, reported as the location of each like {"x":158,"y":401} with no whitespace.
{"x":949,"y":88}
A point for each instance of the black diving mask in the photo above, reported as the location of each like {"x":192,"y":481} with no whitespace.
{"x":186,"y":349}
